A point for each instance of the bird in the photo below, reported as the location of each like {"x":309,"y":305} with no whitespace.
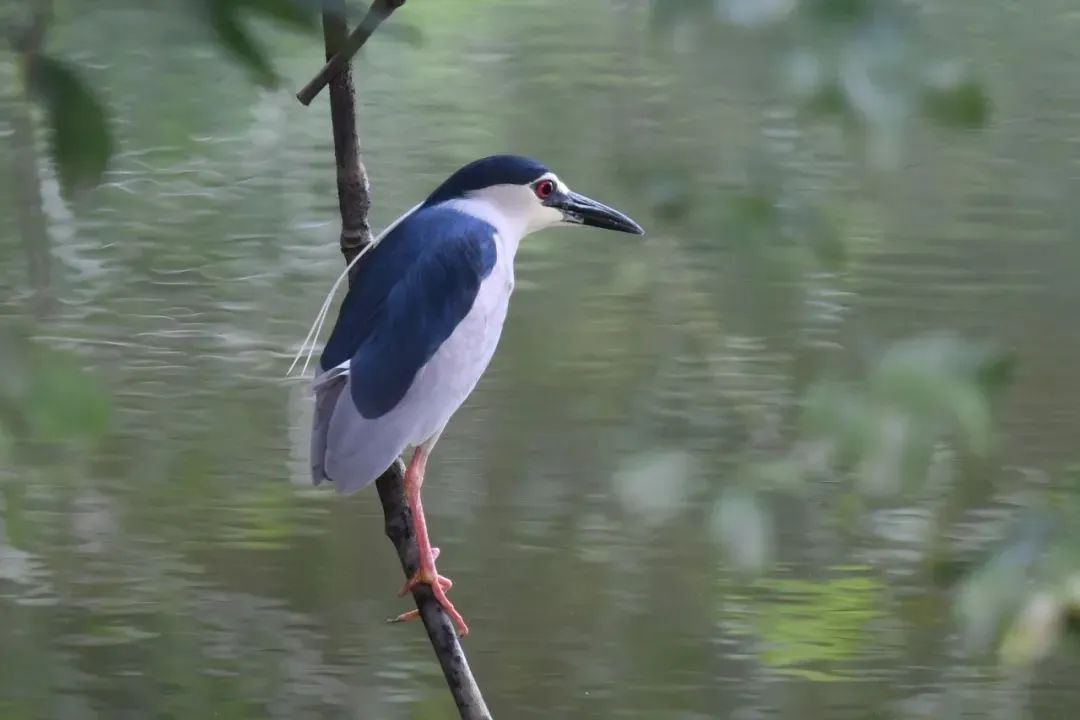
{"x":420,"y":324}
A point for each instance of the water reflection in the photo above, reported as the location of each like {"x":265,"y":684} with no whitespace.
{"x":169,"y":559}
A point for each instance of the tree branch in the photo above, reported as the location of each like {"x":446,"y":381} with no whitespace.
{"x":354,"y":201}
{"x":354,"y":193}
{"x":343,"y":53}
{"x":444,"y":640}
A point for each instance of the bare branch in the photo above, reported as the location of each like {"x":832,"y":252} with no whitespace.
{"x":354,"y":202}
{"x":444,"y":639}
{"x":339,"y":60}
{"x":354,"y":192}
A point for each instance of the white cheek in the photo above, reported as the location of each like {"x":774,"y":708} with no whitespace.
{"x":543,"y":216}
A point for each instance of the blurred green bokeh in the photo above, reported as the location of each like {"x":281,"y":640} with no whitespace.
{"x":807,"y":450}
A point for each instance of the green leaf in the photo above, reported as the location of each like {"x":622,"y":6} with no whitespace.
{"x":224,"y":19}
{"x":79,"y":135}
{"x":942,"y":379}
{"x":838,"y":414}
{"x":957,"y":101}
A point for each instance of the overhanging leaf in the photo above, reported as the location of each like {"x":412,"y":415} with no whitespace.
{"x":79,"y":135}
{"x":224,"y":19}
{"x":963,"y":104}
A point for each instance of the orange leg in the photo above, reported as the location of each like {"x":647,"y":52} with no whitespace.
{"x":426,"y":573}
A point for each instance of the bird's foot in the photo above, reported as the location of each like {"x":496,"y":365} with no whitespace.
{"x":427,"y":575}
{"x":429,"y":567}
{"x":421,"y":577}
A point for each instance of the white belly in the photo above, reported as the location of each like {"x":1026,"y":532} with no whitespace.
{"x":444,"y":383}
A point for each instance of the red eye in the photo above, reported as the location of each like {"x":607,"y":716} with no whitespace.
{"x":543,"y":189}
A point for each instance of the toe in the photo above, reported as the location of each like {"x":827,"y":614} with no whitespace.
{"x":455,"y":616}
{"x":405,"y":616}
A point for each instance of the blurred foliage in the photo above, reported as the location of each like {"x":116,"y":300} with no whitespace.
{"x":920,"y":391}
{"x":80,"y":133}
{"x":743,"y":527}
{"x":1023,"y":598}
{"x":228,"y":20}
{"x":652,"y":485}
{"x":80,"y":139}
{"x":954,"y":98}
{"x":862,"y":61}
{"x":232,"y":21}
{"x":819,"y":624}
{"x":881,"y":431}
{"x":264,"y":520}
{"x":46,"y":397}
{"x":191,"y":583}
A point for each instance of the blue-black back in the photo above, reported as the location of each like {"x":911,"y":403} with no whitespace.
{"x":409,"y":294}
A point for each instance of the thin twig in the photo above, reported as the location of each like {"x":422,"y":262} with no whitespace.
{"x":338,"y":61}
{"x":354,"y":201}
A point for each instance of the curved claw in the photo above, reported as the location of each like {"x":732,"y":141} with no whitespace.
{"x":444,"y":582}
{"x":455,"y":616}
{"x":439,"y":585}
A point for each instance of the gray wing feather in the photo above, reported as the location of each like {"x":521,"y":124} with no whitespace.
{"x":346,"y":448}
{"x":359,"y":449}
{"x":327,"y":388}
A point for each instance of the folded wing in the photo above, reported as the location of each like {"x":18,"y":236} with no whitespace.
{"x":362,"y":420}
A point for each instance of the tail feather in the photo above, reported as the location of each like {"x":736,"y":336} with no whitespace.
{"x":348,"y":449}
{"x":359,"y":450}
{"x":327,"y":388}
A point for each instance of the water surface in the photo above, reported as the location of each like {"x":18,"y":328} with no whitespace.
{"x":178,"y":564}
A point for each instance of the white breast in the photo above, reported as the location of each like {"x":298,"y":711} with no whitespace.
{"x":443,"y":384}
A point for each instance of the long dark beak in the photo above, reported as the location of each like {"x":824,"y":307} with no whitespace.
{"x":580,"y":210}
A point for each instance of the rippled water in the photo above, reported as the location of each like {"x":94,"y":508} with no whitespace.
{"x":179,"y":565}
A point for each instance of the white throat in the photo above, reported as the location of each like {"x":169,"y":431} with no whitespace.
{"x":510,"y":227}
{"x":513,"y":210}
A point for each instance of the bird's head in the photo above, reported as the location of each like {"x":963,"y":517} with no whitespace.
{"x":527,"y":195}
